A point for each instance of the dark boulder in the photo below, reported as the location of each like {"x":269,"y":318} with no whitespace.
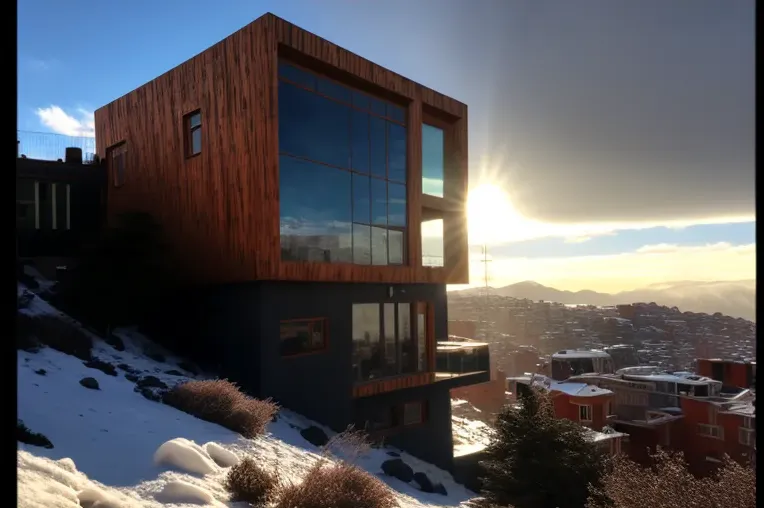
{"x":314,"y":436}
{"x":398,"y":469}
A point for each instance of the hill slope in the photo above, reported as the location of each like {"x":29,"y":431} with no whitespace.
{"x":733,"y":298}
{"x":104,"y":439}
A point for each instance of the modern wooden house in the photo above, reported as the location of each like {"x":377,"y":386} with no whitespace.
{"x":314,"y":203}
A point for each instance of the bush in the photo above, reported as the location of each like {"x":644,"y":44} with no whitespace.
{"x":55,"y":331}
{"x":538,"y":461}
{"x":340,"y":485}
{"x":24,"y":435}
{"x":248,"y":482}
{"x":220,"y":401}
{"x":668,"y":483}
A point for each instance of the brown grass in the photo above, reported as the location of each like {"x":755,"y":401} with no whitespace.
{"x":669,"y":484}
{"x":56,"y":332}
{"x":248,"y":482}
{"x":220,"y":401}
{"x":340,"y":485}
{"x":348,"y":446}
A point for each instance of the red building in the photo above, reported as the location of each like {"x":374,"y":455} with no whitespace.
{"x":586,"y":404}
{"x":487,"y":397}
{"x":733,"y":373}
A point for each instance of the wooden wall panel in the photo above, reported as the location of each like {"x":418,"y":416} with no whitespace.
{"x":392,"y":384}
{"x":220,"y":209}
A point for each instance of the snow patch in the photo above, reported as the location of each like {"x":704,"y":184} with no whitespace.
{"x":185,"y":455}
{"x":221,"y":456}
{"x":182,"y":492}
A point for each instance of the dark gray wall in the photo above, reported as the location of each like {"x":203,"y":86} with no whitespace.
{"x":431,"y":441}
{"x":319,"y":386}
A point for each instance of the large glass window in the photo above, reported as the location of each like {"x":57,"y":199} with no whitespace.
{"x":433,"y":160}
{"x":302,"y":336}
{"x":342,"y":172}
{"x":432,"y":243}
{"x":384,"y":342}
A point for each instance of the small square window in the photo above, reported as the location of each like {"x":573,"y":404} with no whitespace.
{"x":585,"y":413}
{"x":193,"y":133}
{"x":302,"y":336}
{"x":413,"y":413}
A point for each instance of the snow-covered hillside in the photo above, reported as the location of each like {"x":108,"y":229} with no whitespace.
{"x":114,"y":447}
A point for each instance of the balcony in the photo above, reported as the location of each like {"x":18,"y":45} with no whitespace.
{"x":52,"y":147}
{"x":462,"y":363}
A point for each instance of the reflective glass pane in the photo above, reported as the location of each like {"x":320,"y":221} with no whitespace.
{"x":395,"y":247}
{"x":391,"y":346}
{"x":396,"y":113}
{"x":196,"y":141}
{"x":378,"y":147}
{"x":315,"y":212}
{"x":195,"y":120}
{"x":296,"y":75}
{"x":361,"y":199}
{"x":313,"y":127}
{"x":378,"y":107}
{"x":360,"y":100}
{"x":359,"y":135}
{"x":378,"y":201}
{"x":433,"y":162}
{"x":333,"y":89}
{"x":367,"y":348}
{"x":361,"y":244}
{"x":396,"y":152}
{"x":408,"y":346}
{"x":432,"y":242}
{"x":396,"y":205}
{"x":378,"y":246}
{"x":421,"y":337}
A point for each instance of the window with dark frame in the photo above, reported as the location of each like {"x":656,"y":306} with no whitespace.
{"x":193,"y":129}
{"x":302,"y":336}
{"x":117,"y":157}
{"x":585,"y":413}
{"x":413,"y":413}
{"x":336,"y":140}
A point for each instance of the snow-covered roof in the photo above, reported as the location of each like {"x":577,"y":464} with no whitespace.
{"x":566,"y":387}
{"x":572,"y":354}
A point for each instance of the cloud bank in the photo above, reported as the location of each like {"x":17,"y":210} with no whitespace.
{"x":60,"y":122}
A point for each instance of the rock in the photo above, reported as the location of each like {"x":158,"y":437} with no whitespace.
{"x":41,"y":372}
{"x":151,"y":382}
{"x":394,"y":454}
{"x":89,"y":382}
{"x":188,"y":367}
{"x":314,"y":436}
{"x":174,"y":372}
{"x":24,"y":299}
{"x":425,"y":485}
{"x":127,"y":368}
{"x":105,"y":367}
{"x":115,"y":342}
{"x":150,"y":394}
{"x":440,"y":489}
{"x":398,"y":469}
{"x":132,"y":377}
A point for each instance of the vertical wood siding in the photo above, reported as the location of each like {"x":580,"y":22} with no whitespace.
{"x":220,"y":209}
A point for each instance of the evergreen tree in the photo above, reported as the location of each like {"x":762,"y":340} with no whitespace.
{"x":537,"y":460}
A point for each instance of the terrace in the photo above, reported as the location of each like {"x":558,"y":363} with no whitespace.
{"x":48,"y":146}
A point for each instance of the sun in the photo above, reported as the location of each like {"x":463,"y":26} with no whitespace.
{"x":492,"y":219}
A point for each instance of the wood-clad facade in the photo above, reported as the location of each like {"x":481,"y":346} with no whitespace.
{"x":220,"y":207}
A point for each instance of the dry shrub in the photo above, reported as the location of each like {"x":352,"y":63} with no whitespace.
{"x":220,"y":401}
{"x":248,"y":482}
{"x":668,"y":483}
{"x":347,"y":446}
{"x":339,"y":485}
{"x":56,"y":332}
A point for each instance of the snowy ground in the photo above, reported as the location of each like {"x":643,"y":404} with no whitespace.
{"x":115,"y":448}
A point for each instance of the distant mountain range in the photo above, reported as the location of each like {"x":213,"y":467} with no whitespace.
{"x":733,"y":298}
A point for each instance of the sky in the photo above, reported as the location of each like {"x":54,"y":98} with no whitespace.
{"x":611,"y":142}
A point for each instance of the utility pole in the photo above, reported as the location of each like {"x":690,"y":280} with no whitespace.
{"x":485,"y":262}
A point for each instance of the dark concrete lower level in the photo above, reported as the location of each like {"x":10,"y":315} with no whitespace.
{"x":237,"y":331}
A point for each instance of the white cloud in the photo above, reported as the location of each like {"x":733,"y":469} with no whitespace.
{"x":494,"y":220}
{"x":651,"y":264}
{"x":60,"y":122}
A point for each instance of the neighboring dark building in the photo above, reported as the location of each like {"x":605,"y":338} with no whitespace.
{"x":59,"y":196}
{"x":314,"y":203}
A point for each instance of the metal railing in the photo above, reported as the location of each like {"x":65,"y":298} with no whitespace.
{"x":51,"y":147}
{"x":462,"y":357}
